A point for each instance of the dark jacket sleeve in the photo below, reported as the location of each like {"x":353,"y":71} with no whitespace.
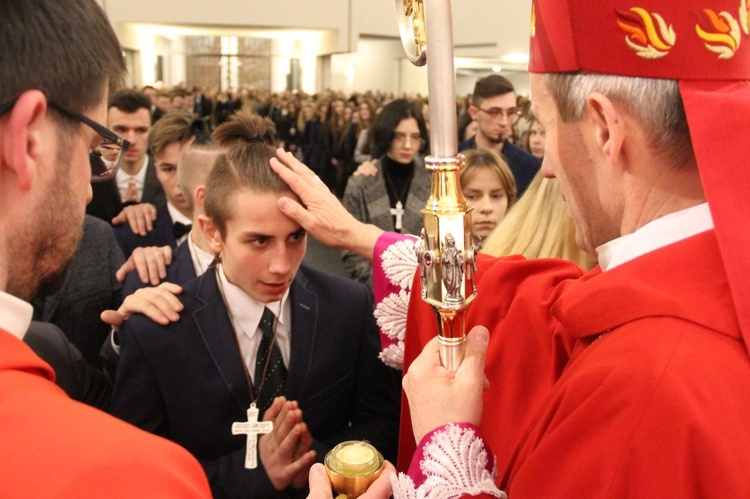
{"x":80,"y":380}
{"x":376,"y":401}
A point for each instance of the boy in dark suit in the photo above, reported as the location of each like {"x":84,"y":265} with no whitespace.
{"x":258,"y":331}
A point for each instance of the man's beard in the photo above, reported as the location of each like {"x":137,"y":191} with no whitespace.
{"x":38,"y":257}
{"x":495,"y":139}
{"x":38,"y":269}
{"x":492,"y":138}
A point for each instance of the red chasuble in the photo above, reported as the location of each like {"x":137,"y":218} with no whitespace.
{"x":53,"y":446}
{"x":633,"y":382}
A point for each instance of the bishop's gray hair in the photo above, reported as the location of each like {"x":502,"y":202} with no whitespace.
{"x":655,"y":103}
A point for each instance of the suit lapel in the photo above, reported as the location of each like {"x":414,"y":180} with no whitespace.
{"x":218,"y":335}
{"x":182,"y":269}
{"x":163,"y":232}
{"x":304,"y":303}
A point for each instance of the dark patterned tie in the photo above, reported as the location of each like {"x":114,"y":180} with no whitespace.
{"x":273,"y":384}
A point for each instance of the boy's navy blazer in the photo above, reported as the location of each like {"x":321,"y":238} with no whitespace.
{"x":161,"y":235}
{"x":187,"y":383}
{"x":180,"y":271}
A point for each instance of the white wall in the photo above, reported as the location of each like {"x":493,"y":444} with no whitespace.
{"x":356,"y":40}
{"x":374,"y":66}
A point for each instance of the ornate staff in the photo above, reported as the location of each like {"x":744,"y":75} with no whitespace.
{"x":447,"y":256}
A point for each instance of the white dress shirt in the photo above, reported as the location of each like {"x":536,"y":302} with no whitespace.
{"x":201,"y":259}
{"x":15,"y":315}
{"x":123,"y":180}
{"x":246,"y":312}
{"x":654,"y":235}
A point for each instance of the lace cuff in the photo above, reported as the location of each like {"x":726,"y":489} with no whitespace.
{"x":393,"y":267}
{"x":451,"y":461}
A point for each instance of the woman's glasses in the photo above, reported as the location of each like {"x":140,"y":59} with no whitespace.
{"x":400,"y":138}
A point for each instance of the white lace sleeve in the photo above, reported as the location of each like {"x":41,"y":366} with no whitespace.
{"x":454,"y":463}
{"x":393,"y":271}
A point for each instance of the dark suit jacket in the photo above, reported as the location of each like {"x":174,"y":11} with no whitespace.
{"x":203,"y":106}
{"x":106,"y":203}
{"x":180,"y":271}
{"x":161,"y":235}
{"x":88,"y":288}
{"x":80,"y":380}
{"x":523,"y":164}
{"x":186,"y":381}
{"x":367,"y":199}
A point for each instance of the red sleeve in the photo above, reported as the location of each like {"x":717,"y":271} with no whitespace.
{"x":522,"y":363}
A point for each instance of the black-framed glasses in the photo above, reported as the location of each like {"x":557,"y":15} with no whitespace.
{"x":105,"y":159}
{"x":511,"y":114}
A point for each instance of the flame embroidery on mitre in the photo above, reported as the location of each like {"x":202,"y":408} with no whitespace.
{"x":720,"y":32}
{"x":744,"y":15}
{"x":647,"y":34}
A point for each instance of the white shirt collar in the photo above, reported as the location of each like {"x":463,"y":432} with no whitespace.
{"x":246,"y":312}
{"x":201,"y":259}
{"x":177,"y":216}
{"x":16,"y":315}
{"x":656,"y":234}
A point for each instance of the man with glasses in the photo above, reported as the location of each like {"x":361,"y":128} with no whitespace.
{"x":57,"y":61}
{"x":493,"y":107}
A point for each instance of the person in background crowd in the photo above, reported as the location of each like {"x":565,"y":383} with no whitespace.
{"x":489,"y":188}
{"x":393,"y":197}
{"x":494,"y":108}
{"x":534,"y":138}
{"x":163,"y":104}
{"x":312,"y":144}
{"x":467,"y":127}
{"x":356,"y":129}
{"x":331,"y":136}
{"x":167,"y":139}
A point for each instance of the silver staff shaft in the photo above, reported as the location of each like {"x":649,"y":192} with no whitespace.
{"x":448,"y":252}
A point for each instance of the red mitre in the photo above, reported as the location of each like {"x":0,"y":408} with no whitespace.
{"x":705,"y":45}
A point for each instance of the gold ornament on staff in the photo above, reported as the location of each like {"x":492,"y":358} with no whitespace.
{"x":447,"y":256}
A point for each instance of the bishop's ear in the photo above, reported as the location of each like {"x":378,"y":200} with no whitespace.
{"x":213,"y":236}
{"x":607,"y":124}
